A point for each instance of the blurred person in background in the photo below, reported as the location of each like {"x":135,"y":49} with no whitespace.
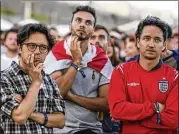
{"x":16,"y":26}
{"x":169,"y":42}
{"x":122,"y":47}
{"x":110,"y":50}
{"x":113,"y":53}
{"x":53,"y":31}
{"x":30,"y":100}
{"x":10,"y":41}
{"x":82,"y":72}
{"x":115,"y":36}
{"x":117,"y":51}
{"x":3,"y":47}
{"x":170,"y":56}
{"x":100,"y":37}
{"x":175,"y":39}
{"x":146,"y":104}
{"x":119,"y":38}
{"x":131,"y":49}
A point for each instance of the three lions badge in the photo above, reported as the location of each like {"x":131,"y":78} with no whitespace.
{"x":163,"y":86}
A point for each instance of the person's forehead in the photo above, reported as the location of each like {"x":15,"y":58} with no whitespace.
{"x":101,"y":32}
{"x":152,"y":30}
{"x":130,"y":44}
{"x":11,"y":34}
{"x":84,"y":15}
{"x":53,"y":32}
{"x":41,"y":38}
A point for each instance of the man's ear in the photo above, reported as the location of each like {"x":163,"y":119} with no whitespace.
{"x":20,"y":49}
{"x":93,"y":30}
{"x":164,"y":48}
{"x":137,"y":43}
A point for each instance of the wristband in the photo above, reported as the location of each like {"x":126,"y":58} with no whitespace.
{"x":157,"y":112}
{"x":78,"y":69}
{"x":75,"y":66}
{"x":46,"y":119}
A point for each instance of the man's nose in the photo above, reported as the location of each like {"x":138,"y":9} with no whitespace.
{"x":37,"y":55}
{"x":82,"y":24}
{"x":96,"y":40}
{"x":15,"y":42}
{"x":37,"y":50}
{"x":151,"y":43}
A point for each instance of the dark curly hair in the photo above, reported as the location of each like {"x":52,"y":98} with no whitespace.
{"x":99,"y":27}
{"x":154,"y":21}
{"x":28,"y":29}
{"x":169,"y":32}
{"x":85,"y":9}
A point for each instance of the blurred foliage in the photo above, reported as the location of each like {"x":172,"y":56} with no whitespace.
{"x":8,"y":11}
{"x":40,"y":17}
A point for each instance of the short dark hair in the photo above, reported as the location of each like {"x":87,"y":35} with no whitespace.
{"x":53,"y":28}
{"x":10,"y":31}
{"x":99,"y":27}
{"x":117,"y":30}
{"x":85,"y":9}
{"x":170,"y":33}
{"x":28,"y":29}
{"x":154,"y":21}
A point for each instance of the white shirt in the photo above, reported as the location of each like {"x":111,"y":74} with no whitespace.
{"x":3,"y":49}
{"x":6,"y":61}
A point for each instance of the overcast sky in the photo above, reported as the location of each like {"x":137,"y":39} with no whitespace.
{"x":159,"y":5}
{"x":171,"y":6}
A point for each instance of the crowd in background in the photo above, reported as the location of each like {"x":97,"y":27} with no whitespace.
{"x":120,"y":48}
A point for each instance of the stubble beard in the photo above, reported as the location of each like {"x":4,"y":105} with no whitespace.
{"x":13,"y":50}
{"x":150,"y":57}
{"x":80,"y":37}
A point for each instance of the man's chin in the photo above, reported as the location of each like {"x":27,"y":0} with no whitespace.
{"x":150,"y":57}
{"x":13,"y":50}
{"x":82,"y":38}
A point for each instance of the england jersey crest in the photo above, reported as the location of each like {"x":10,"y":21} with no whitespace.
{"x":163,"y":86}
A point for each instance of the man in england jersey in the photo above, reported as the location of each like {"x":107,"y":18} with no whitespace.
{"x":143,"y":93}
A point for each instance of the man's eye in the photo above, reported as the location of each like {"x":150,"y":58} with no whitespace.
{"x":44,"y":47}
{"x":101,"y":38}
{"x":146,"y":39}
{"x":32,"y":45}
{"x":157,"y":40}
{"x":78,"y":20}
{"x":88,"y":23}
{"x":92,"y":37}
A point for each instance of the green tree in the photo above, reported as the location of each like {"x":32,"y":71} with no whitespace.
{"x":8,"y":11}
{"x":40,"y":17}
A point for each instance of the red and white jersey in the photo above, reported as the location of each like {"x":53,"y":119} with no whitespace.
{"x":60,"y":58}
{"x":133,"y":92}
